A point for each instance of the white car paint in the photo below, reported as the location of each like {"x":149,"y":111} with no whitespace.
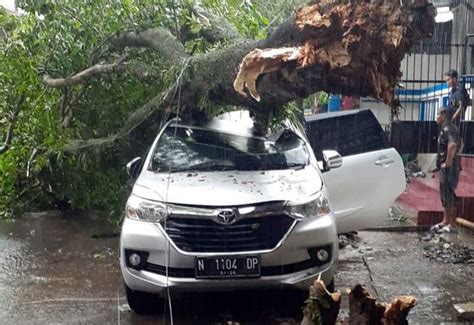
{"x":362,"y":191}
{"x":228,"y":188}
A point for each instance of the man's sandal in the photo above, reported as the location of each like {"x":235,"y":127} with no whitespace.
{"x":448,"y":230}
{"x":437,"y":227}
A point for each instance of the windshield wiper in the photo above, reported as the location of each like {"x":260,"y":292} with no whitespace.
{"x":207,"y":166}
{"x":296,"y":166}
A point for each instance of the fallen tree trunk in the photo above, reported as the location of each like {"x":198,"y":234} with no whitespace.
{"x":341,"y":47}
{"x":322,"y":307}
{"x":363,"y":308}
{"x":344,"y":47}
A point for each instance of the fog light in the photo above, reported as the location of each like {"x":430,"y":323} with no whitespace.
{"x":322,"y":255}
{"x":135,"y":259}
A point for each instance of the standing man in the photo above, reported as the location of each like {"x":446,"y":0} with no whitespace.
{"x":457,"y":103}
{"x":458,"y":97}
{"x":448,"y":163}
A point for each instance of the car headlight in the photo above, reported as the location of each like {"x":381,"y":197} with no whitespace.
{"x":316,"y":205}
{"x":145,"y":210}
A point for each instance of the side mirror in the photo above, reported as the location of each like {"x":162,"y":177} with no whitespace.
{"x":133,"y":167}
{"x":332,"y":159}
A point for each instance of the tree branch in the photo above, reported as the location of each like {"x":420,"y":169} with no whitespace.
{"x":29,"y":165}
{"x":134,"y":121}
{"x":11,"y":125}
{"x":162,"y":104}
{"x":84,"y":75}
{"x":138,"y":70}
{"x":216,"y":28}
{"x":158,"y":39}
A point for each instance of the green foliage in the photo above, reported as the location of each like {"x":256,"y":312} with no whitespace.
{"x":312,"y":308}
{"x":63,"y":37}
{"x":35,"y":124}
{"x":243,"y":15}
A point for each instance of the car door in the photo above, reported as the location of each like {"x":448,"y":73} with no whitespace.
{"x":372,"y":176}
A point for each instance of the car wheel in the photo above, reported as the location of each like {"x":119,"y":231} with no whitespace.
{"x":143,"y":302}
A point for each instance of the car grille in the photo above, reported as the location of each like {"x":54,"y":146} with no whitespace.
{"x":249,"y":234}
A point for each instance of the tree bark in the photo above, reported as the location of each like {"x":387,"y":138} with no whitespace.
{"x":322,"y":307}
{"x":82,"y":76}
{"x":159,"y":39}
{"x":363,"y":308}
{"x":354,"y":48}
{"x":140,"y":71}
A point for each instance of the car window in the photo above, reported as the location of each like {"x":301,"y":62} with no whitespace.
{"x":183,"y":148}
{"x":349,"y":134}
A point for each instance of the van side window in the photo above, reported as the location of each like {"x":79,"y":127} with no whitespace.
{"x":349,"y":133}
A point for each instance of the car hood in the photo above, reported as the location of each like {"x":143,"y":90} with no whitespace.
{"x":228,"y":188}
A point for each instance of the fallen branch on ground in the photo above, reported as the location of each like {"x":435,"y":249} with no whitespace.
{"x":322,"y":307}
{"x":465,"y":223}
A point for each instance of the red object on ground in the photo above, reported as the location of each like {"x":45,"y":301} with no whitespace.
{"x":421,"y":199}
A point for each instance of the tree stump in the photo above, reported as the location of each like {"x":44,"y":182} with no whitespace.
{"x":322,"y":307}
{"x":363,"y":308}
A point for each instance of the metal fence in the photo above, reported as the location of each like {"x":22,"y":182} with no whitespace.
{"x":423,"y":89}
{"x":424,"y":92}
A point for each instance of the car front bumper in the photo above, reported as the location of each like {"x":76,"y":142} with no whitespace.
{"x":288,"y":265}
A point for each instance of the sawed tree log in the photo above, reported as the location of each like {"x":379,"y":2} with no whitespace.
{"x":322,"y":307}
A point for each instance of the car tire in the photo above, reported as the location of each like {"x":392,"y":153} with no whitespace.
{"x":143,"y":302}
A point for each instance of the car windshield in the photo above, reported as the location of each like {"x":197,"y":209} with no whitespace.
{"x":186,"y":149}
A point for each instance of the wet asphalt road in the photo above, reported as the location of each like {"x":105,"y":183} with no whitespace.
{"x":54,"y":272}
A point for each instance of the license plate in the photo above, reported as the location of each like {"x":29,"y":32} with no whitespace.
{"x":227,"y":267}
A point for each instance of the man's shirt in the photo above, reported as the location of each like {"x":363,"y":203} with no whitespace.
{"x":458,"y":97}
{"x":447,"y":135}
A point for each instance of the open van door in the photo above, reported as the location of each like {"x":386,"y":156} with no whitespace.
{"x":372,"y":175}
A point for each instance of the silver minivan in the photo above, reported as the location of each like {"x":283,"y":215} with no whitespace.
{"x":215,"y":207}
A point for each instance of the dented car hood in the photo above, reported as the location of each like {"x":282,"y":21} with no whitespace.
{"x":228,"y":188}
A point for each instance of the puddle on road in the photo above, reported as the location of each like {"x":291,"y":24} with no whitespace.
{"x":398,"y":267}
{"x":54,"y":268}
{"x":51,"y":262}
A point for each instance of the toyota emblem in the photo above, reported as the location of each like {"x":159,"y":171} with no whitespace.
{"x":226,"y":217}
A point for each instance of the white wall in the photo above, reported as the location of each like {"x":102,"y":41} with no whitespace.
{"x":382,"y":111}
{"x":422,"y":66}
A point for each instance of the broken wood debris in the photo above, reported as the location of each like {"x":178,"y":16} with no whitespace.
{"x":465,"y":223}
{"x":359,"y":46}
{"x":439,"y":249}
{"x":322,"y":307}
{"x":465,"y":311}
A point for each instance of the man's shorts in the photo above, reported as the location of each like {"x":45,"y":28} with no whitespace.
{"x":448,"y":181}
